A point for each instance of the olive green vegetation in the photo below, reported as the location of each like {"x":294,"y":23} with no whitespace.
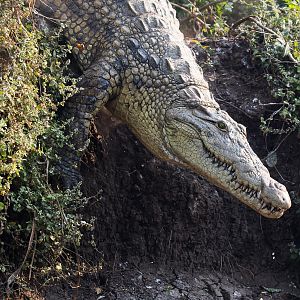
{"x":31,"y":73}
{"x":278,"y":50}
{"x":37,"y":220}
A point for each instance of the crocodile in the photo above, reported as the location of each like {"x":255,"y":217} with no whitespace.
{"x":136,"y":64}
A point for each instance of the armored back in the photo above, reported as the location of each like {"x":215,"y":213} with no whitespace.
{"x":93,"y":25}
{"x":83,"y":24}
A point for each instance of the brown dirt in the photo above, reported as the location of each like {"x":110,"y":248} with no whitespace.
{"x":164,"y":232}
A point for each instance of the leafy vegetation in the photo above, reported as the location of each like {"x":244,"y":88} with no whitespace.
{"x":207,"y":18}
{"x":37,"y":220}
{"x":276,"y":43}
{"x":31,"y":75}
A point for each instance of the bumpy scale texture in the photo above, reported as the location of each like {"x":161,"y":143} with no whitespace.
{"x":135,"y":63}
{"x":134,"y":58}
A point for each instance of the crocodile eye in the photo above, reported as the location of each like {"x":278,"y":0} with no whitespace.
{"x":221,"y":125}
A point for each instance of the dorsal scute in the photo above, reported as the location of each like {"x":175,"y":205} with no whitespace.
{"x":81,"y":27}
{"x":139,"y":7}
{"x":159,"y":8}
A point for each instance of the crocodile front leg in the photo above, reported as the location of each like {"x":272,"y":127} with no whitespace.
{"x":97,"y":86}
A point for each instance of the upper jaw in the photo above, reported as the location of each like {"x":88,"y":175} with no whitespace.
{"x":275,"y":194}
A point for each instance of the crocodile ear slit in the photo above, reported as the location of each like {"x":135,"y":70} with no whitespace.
{"x":200,"y":111}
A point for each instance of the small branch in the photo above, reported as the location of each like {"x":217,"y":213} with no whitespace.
{"x":220,"y":99}
{"x":193,"y":4}
{"x":53,"y":20}
{"x":199,"y":10}
{"x":32,"y":260}
{"x":257,"y":21}
{"x":16,"y":273}
{"x":280,"y":143}
{"x":191,"y":14}
{"x":241,"y":21}
{"x":181,"y":7}
{"x":204,"y":7}
{"x":269,"y":104}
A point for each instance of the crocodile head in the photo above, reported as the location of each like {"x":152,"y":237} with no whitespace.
{"x":208,"y":141}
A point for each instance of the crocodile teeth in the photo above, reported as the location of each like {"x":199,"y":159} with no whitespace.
{"x":241,"y":187}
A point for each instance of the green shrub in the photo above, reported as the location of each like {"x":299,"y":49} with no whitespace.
{"x":31,"y":75}
{"x":38,"y":221}
{"x":34,"y":200}
{"x":275,"y":42}
{"x":208,"y":18}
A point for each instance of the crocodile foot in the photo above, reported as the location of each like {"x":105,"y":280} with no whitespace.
{"x":68,"y":174}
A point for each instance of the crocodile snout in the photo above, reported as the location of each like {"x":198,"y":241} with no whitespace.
{"x":275,"y":193}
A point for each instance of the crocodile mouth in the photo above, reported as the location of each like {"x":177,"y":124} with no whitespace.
{"x":243,"y":190}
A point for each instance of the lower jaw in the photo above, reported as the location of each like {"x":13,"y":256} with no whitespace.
{"x":276,"y":215}
{"x":251,"y":203}
{"x":256,"y":206}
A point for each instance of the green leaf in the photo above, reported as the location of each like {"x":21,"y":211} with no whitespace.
{"x":2,"y":206}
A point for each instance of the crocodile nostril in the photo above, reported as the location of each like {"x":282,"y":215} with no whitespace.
{"x":286,"y":200}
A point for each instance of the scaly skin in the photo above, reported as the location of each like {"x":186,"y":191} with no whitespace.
{"x":135,"y":62}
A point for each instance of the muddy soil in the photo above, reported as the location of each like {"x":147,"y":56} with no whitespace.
{"x":164,"y":232}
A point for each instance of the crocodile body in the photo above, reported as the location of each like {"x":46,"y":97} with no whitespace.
{"x":135,"y":63}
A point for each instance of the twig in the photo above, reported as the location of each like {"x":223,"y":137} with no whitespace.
{"x":260,"y":224}
{"x":190,"y":13}
{"x":257,"y":21}
{"x":241,"y":21}
{"x":32,"y":260}
{"x":282,"y":178}
{"x":248,"y":270}
{"x":270,"y":104}
{"x":192,"y":3}
{"x":204,"y":7}
{"x":219,"y":98}
{"x":280,"y":143}
{"x":16,"y":273}
{"x":53,"y":20}
{"x":182,"y":8}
